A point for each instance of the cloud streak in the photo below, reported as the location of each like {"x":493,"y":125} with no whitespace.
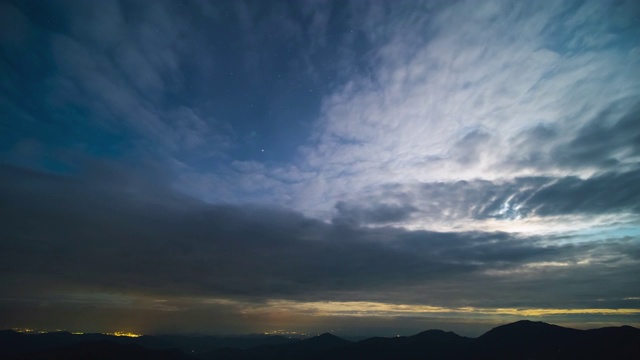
{"x":246,"y":252}
{"x":457,"y":106}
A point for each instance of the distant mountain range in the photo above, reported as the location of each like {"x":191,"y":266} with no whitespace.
{"x":519,"y":340}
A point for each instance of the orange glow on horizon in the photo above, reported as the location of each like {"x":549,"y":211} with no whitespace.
{"x":364,"y":308}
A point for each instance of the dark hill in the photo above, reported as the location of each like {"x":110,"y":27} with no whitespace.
{"x":612,"y":342}
{"x":526,"y":338}
{"x":519,"y":340}
{"x":525,"y":330}
{"x":437,"y":336}
{"x":528,"y":332}
{"x":539,"y":340}
{"x":430,"y":344}
{"x":318,"y":347}
{"x":325,"y":341}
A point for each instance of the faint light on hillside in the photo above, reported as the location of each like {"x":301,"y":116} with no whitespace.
{"x":123,"y":333}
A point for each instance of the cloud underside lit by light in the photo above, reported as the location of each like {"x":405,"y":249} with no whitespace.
{"x":267,"y":162}
{"x":253,"y":261}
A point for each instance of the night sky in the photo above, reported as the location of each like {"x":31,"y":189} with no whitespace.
{"x":361,"y":167}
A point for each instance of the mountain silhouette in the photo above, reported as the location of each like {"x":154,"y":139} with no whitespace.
{"x":317,"y":347}
{"x":437,"y":336}
{"x":526,"y":331}
{"x":519,"y":340}
{"x":325,"y":341}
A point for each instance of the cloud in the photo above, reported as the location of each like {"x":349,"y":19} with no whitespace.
{"x":66,"y":234}
{"x":462,"y":104}
{"x":609,"y":140}
{"x":606,"y":141}
{"x":380,"y":214}
{"x":525,"y":205}
{"x":118,"y":85}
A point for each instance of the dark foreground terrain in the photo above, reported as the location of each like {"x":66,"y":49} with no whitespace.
{"x":519,"y":340}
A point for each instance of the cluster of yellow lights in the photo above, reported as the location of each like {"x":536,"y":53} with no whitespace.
{"x":123,"y":333}
{"x":284,"y":332}
{"x":32,"y":331}
{"x":23,"y":330}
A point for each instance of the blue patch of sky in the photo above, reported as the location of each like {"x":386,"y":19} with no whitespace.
{"x":572,"y":30}
{"x":27,"y":115}
{"x":600,"y":233}
{"x":272,"y":106}
{"x":267,"y":87}
{"x":26,"y":110}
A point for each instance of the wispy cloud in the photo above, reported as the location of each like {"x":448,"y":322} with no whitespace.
{"x":492,"y":104}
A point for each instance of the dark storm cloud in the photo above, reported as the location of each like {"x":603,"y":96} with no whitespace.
{"x":130,"y":234}
{"x":380,"y":214}
{"x":608,"y":141}
{"x":109,"y":230}
{"x":607,"y":193}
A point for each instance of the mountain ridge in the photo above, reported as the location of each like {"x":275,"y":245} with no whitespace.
{"x":519,"y":340}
